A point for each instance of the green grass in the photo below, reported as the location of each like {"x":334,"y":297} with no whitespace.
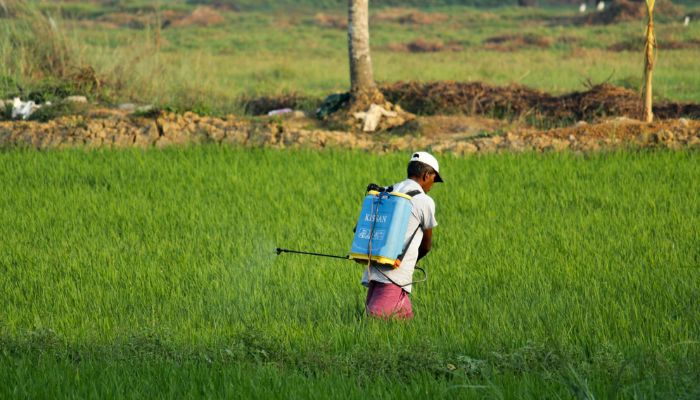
{"x":209,"y":69}
{"x":152,"y":273}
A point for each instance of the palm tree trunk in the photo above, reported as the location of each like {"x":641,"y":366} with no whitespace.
{"x":362,"y":85}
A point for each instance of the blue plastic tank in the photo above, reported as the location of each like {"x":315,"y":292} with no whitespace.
{"x":385,"y":216}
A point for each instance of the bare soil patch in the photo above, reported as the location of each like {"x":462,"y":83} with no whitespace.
{"x":331,"y":21}
{"x":408,"y":16}
{"x":514,"y":42}
{"x":424,"y":46}
{"x":638,"y":46}
{"x":200,"y":16}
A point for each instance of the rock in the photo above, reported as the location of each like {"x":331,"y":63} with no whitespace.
{"x":644,"y":138}
{"x":128,"y":107}
{"x":673,"y":145}
{"x":542,"y":143}
{"x":146,"y":136}
{"x":123,"y":141}
{"x":191,"y":116}
{"x":370,"y":119}
{"x":145,"y":109}
{"x":298,"y":114}
{"x":485,"y":145}
{"x":590,"y":145}
{"x":281,"y":111}
{"x":163,"y":142}
{"x":216,"y":134}
{"x":662,"y":136}
{"x":76,"y":99}
{"x":684,"y":122}
{"x":466,"y":148}
{"x":191,"y":127}
{"x":559,"y":144}
{"x":394,"y":121}
{"x":517,"y":145}
{"x":694,"y":142}
{"x":235,"y":136}
{"x":92,"y":143}
{"x":581,"y":123}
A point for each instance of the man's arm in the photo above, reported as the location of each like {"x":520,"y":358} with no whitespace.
{"x":426,"y":244}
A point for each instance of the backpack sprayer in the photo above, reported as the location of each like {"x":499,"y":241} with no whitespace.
{"x":380,"y":231}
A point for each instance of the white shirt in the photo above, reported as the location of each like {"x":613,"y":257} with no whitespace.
{"x":423,"y":215}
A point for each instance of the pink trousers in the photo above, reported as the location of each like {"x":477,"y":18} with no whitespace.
{"x":386,"y":300}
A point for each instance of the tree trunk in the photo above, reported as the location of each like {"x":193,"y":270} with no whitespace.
{"x":362,"y":86}
{"x":649,"y":60}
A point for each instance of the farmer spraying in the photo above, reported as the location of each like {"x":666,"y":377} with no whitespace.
{"x":389,"y":286}
{"x":394,"y":231}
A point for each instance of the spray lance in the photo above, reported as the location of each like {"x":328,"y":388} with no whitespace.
{"x":280,"y":250}
{"x":380,"y":231}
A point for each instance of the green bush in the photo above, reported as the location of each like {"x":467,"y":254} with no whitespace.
{"x":60,"y":109}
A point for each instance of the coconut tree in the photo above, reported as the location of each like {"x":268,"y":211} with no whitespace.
{"x":363,"y":89}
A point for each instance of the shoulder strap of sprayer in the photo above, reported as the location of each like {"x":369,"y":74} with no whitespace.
{"x":412,"y":193}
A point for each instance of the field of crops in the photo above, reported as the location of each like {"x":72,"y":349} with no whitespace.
{"x":153,"y":274}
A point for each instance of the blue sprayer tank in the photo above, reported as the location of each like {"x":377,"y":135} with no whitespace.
{"x":385,"y":215}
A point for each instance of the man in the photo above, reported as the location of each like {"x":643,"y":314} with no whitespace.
{"x":388,"y":288}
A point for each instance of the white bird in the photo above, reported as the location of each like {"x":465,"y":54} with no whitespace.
{"x":582,"y":8}
{"x":686,"y":22}
{"x":600,"y":6}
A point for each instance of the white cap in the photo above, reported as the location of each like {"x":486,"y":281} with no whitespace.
{"x":427,"y":158}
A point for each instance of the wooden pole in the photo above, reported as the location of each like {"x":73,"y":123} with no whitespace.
{"x":649,"y":61}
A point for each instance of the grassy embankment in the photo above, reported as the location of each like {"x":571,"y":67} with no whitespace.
{"x":208,"y":69}
{"x":142,"y":274}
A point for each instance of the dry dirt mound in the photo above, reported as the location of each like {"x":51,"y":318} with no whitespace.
{"x":626,"y":10}
{"x":476,"y":98}
{"x":200,"y":16}
{"x":638,"y":46}
{"x":424,"y":46}
{"x":408,"y":16}
{"x":331,"y":21}
{"x":513,"y":42}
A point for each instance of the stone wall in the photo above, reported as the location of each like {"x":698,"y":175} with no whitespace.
{"x":168,"y":129}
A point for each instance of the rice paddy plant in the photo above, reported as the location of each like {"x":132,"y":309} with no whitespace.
{"x":153,"y":274}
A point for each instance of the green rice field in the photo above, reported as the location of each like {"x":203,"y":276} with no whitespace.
{"x":152,"y":274}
